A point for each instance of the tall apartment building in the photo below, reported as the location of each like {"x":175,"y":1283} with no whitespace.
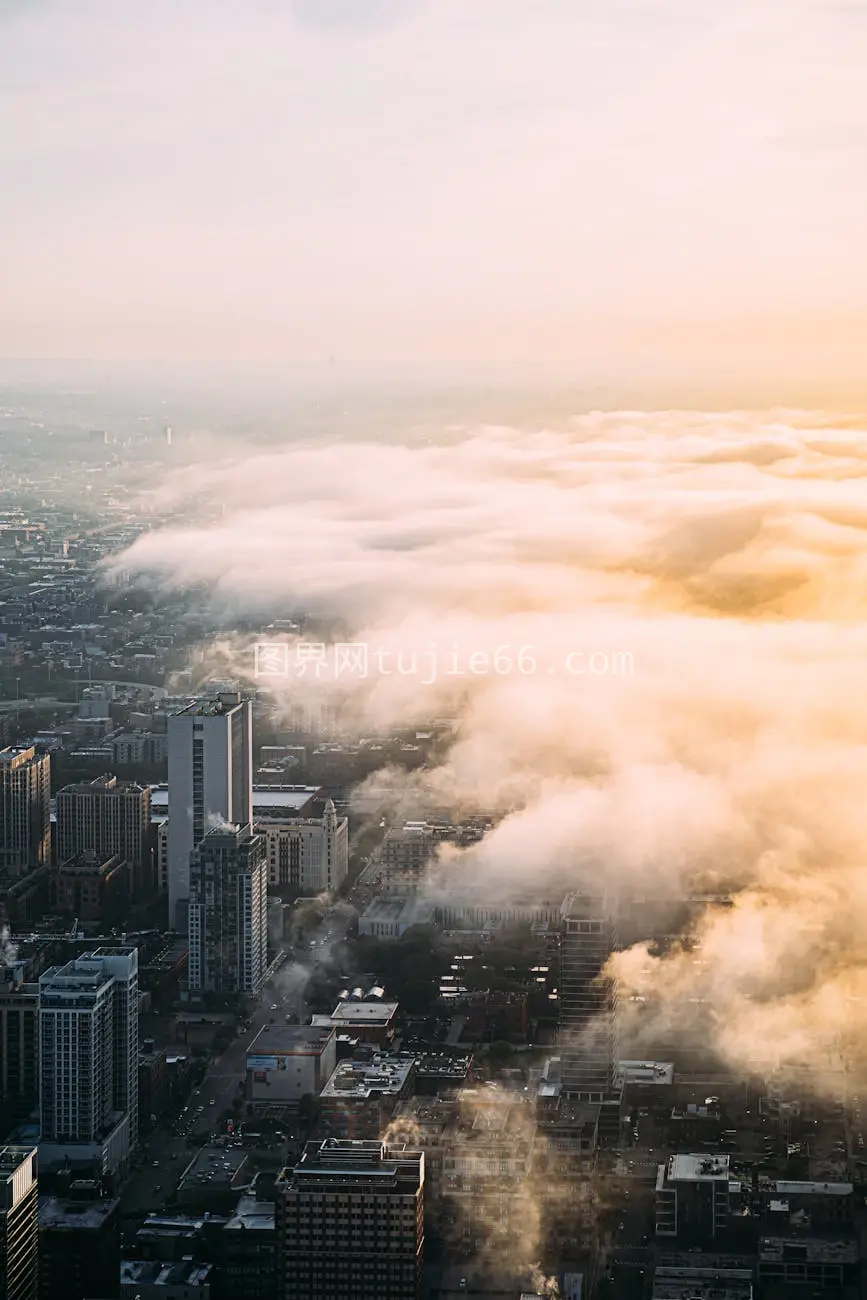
{"x":19,"y":1046}
{"x":588,"y":998}
{"x":210,"y":782}
{"x":350,"y":1222}
{"x":107,"y":817}
{"x":25,"y":810}
{"x":228,"y":912}
{"x":19,"y":1224}
{"x":306,"y":855}
{"x":88,"y":1068}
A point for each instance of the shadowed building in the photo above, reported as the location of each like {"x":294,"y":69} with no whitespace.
{"x":350,"y":1222}
{"x":588,"y":998}
{"x":228,"y":912}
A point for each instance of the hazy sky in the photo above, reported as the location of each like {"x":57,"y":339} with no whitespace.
{"x":535,"y":183}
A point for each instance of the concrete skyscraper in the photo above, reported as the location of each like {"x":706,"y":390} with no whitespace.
{"x":588,"y":998}
{"x":88,"y":1029}
{"x":228,"y":912}
{"x":25,"y":810}
{"x":210,"y":783}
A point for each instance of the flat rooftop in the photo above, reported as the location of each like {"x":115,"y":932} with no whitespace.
{"x":445,"y":1065}
{"x":12,"y":1156}
{"x":290,"y":1040}
{"x":702,"y":1284}
{"x":359,"y":1080}
{"x":211,"y":708}
{"x":153,"y":1272}
{"x":267,"y":799}
{"x":652,"y":1072}
{"x":399,"y":908}
{"x":252,"y":1214}
{"x":809,"y":1250}
{"x":697,"y":1168}
{"x":364,"y":1013}
{"x":56,"y":1212}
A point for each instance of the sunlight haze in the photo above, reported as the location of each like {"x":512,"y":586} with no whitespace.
{"x":662,"y":185}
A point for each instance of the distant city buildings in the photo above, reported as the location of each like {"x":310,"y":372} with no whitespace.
{"x":350,"y":1222}
{"x":88,"y":1028}
{"x":19,"y":1224}
{"x":25,"y":810}
{"x":228,"y":913}
{"x":210,"y":783}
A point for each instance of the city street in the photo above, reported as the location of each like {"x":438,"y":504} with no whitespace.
{"x":166,"y":1155}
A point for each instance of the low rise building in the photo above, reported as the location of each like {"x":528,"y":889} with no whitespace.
{"x":179,"y":1236}
{"x":817,"y":1262}
{"x":370,"y":1021}
{"x":828,"y":1206}
{"x":695,"y":1195}
{"x":672,"y":1282}
{"x":389,"y":917}
{"x":79,"y":1244}
{"x":362,"y":1095}
{"x":153,"y":1085}
{"x":150,"y":1279}
{"x":248,"y":1250}
{"x":442,"y":1072}
{"x":288,"y":1062}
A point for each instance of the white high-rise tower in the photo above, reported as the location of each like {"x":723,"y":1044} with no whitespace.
{"x":210,"y":783}
{"x":88,"y":1059}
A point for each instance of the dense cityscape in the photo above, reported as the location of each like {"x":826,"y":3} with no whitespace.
{"x":257,"y":1040}
{"x":433,"y":627}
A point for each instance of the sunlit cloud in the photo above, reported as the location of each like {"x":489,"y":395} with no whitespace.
{"x":712,"y":566}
